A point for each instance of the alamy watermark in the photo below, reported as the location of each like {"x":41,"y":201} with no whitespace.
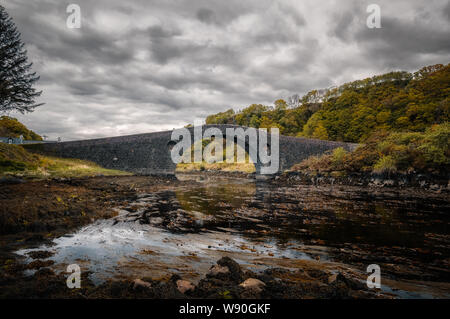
{"x":74,"y":279}
{"x":74,"y":19}
{"x":374,"y":279}
{"x":261,"y":150}
{"x":374,"y":19}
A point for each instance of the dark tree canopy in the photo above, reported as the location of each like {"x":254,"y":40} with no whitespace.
{"x":16,"y":78}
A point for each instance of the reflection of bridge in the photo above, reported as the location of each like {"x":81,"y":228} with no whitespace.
{"x":150,"y":153}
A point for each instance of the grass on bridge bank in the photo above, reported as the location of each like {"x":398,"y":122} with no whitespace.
{"x":222,"y":166}
{"x":389,"y":152}
{"x":16,"y":161}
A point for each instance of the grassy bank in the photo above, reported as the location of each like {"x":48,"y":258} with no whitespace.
{"x":383,"y":152}
{"x":16,"y":161}
{"x":224,"y":167}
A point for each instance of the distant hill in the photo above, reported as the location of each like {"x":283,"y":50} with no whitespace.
{"x":11,"y":127}
{"x":396,"y":101}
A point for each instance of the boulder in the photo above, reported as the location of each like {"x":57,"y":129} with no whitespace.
{"x":333,"y":278}
{"x":236,"y":272}
{"x":184,"y":286}
{"x":217,"y":270}
{"x":138,"y":283}
{"x":253,"y":284}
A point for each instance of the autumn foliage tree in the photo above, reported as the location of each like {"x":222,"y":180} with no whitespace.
{"x":352,"y":112}
{"x":16,"y":78}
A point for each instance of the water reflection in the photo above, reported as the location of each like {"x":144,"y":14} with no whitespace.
{"x":305,"y":214}
{"x":213,"y":198}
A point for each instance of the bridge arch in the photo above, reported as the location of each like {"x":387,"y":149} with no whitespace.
{"x":246,"y":139}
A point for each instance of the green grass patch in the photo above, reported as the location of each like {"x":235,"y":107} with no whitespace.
{"x":226,"y":167}
{"x":16,"y":161}
{"x":14,"y":158}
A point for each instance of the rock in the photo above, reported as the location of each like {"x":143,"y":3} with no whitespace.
{"x":217,"y":270}
{"x":332,"y":278}
{"x":435,"y":187}
{"x":40,"y":254}
{"x":10,"y":180}
{"x":44,"y":272}
{"x":38,"y":263}
{"x":376,"y":181}
{"x":350,"y":282}
{"x":183,"y":286}
{"x":226,"y":269}
{"x":235,"y":270}
{"x":138,"y":283}
{"x":388,"y":183}
{"x":253,"y":284}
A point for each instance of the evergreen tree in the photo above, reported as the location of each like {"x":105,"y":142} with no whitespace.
{"x":16,"y":78}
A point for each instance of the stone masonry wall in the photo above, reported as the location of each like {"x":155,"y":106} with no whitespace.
{"x":150,"y":153}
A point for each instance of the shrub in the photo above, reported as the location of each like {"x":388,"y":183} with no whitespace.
{"x":362,"y":158}
{"x":383,"y":152}
{"x":435,"y":145}
{"x":338,"y":157}
{"x":314,"y":163}
{"x":385,"y":164}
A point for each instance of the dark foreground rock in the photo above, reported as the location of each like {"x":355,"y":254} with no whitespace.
{"x":232,"y":282}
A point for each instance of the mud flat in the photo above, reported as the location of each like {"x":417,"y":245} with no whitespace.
{"x":220,"y":237}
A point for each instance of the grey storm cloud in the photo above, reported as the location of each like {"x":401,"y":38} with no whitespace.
{"x":404,"y":42}
{"x":206,"y":15}
{"x":140,"y":66}
{"x":446,"y":11}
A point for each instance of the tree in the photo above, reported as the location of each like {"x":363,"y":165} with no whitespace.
{"x":280,"y":104}
{"x":352,"y":112}
{"x":226,"y":117}
{"x":320,"y":132}
{"x":16,"y":78}
{"x":11,"y":127}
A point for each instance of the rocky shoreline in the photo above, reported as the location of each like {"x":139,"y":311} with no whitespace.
{"x":435,"y":183}
{"x":430,"y":182}
{"x":224,"y":280}
{"x":36,"y":212}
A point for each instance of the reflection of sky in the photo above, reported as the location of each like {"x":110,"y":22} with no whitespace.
{"x":102,"y":246}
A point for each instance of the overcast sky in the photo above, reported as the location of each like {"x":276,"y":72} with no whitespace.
{"x":139,"y":66}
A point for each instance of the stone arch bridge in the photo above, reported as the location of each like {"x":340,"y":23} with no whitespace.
{"x":149,"y":153}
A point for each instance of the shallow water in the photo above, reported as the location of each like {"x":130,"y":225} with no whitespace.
{"x":128,"y":250}
{"x":249,"y":222}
